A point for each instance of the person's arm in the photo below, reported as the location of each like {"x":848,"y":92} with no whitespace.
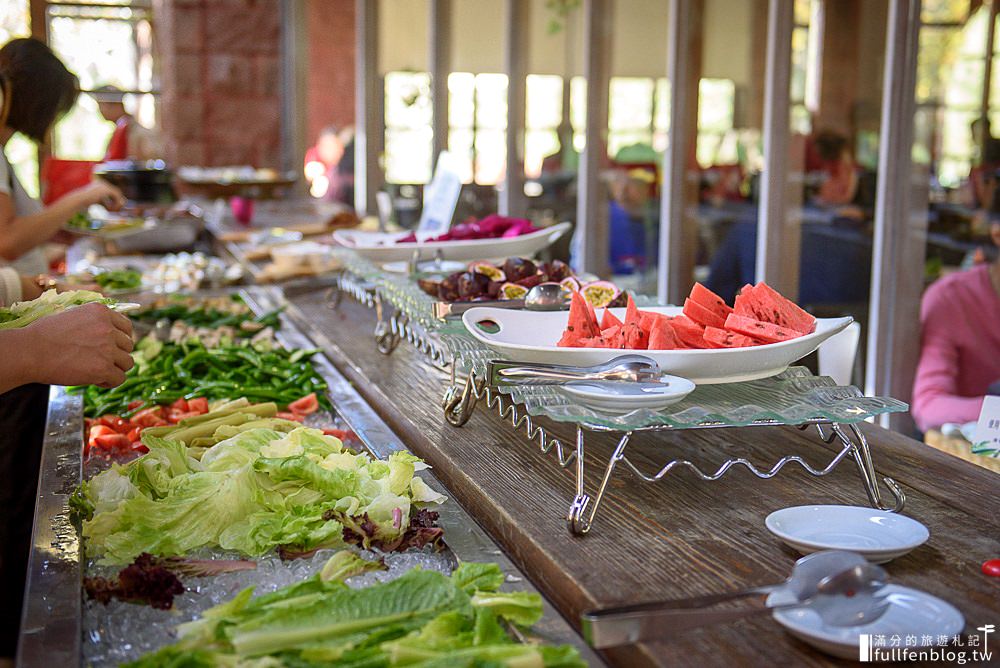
{"x":935,"y":394}
{"x":86,"y":345}
{"x":20,"y":234}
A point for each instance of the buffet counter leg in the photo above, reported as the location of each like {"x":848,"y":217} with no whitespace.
{"x":386,"y":330}
{"x":863,"y":458}
{"x":579,"y":520}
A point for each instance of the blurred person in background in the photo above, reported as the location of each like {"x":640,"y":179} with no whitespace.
{"x":628,"y":212}
{"x":983,"y":175}
{"x":959,"y":345}
{"x":131,"y":140}
{"x":828,"y":154}
{"x":329,"y":166}
{"x":37,"y":89}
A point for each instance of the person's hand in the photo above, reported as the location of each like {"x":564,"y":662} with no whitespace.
{"x":86,"y":345}
{"x":103,"y":193}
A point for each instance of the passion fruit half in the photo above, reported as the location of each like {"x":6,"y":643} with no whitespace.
{"x":599,"y":293}
{"x":492,"y":271}
{"x":512,"y":291}
{"x":571,"y":284}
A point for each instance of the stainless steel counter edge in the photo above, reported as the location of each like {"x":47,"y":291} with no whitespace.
{"x":51,"y":617}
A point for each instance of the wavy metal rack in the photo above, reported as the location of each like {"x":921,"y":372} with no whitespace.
{"x":832,"y":410}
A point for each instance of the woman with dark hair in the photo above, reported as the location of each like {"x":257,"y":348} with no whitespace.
{"x":37,"y":91}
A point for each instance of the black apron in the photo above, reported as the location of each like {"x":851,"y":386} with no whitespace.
{"x":22,"y":430}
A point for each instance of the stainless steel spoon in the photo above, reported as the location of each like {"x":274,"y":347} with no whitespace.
{"x":542,"y":297}
{"x":844,"y":596}
{"x":625,"y":368}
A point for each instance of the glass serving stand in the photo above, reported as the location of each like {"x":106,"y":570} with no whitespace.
{"x":793,"y":398}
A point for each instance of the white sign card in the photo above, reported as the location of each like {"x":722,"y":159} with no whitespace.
{"x":986,"y":440}
{"x":440,"y":198}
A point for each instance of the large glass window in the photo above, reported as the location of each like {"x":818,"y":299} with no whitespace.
{"x":408,"y":132}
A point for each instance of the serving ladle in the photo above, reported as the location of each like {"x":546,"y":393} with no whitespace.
{"x":838,"y":586}
{"x":542,"y":297}
{"x":625,"y":368}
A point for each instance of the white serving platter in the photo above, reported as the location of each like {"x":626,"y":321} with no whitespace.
{"x":531,"y":336}
{"x":876,"y":535}
{"x":381,"y":247}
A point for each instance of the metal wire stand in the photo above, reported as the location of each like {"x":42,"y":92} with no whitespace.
{"x":392,"y":324}
{"x":460,"y":401}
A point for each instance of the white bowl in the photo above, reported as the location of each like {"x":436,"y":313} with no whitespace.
{"x":382,"y":247}
{"x":618,"y":397}
{"x":874,"y":534}
{"x":531,"y":336}
{"x":910,"y":613}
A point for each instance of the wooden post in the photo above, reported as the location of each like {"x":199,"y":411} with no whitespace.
{"x":678,"y":230}
{"x":369,"y":101}
{"x":439,"y":60}
{"x":900,"y":225}
{"x":778,"y":238}
{"x":592,"y":201}
{"x":294,"y":63}
{"x":511,"y":202}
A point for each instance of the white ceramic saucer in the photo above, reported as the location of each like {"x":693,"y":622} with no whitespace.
{"x":619,"y":397}
{"x":910,"y":613}
{"x":875,"y":534}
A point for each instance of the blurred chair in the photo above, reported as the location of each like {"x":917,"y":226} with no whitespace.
{"x":838,"y":353}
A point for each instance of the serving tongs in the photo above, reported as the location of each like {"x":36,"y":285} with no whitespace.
{"x":626,"y":368}
{"x":838,"y":586}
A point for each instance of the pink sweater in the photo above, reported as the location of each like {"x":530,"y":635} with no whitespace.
{"x":959,"y":348}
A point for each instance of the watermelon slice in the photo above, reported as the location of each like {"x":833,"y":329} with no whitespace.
{"x":582,"y":323}
{"x":635,"y":337}
{"x":702,"y":315}
{"x":762,"y":331}
{"x":613,"y":337}
{"x":608,"y":319}
{"x":663,"y":337}
{"x":764,"y":303}
{"x":722,"y":338}
{"x":689,"y":332}
{"x":713,"y":302}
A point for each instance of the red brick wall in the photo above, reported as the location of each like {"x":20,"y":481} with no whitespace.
{"x":330,"y":94}
{"x":220,"y":71}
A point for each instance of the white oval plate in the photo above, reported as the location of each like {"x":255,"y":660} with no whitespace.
{"x":911,"y":613}
{"x":618,"y":397}
{"x":531,"y":336}
{"x":427,"y":267}
{"x":874,"y":534}
{"x":381,"y":247}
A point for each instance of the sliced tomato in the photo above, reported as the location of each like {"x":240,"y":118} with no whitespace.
{"x":342,"y":434}
{"x":99,"y":430}
{"x":285,"y":415}
{"x":139,"y":447}
{"x":119,"y":424}
{"x":149,"y":420}
{"x":306,"y":405}
{"x":180,"y":405}
{"x":177,"y":416}
{"x":152,"y":410}
{"x":132,"y":405}
{"x":113,"y":442}
{"x":135,"y":434}
{"x":198,"y":405}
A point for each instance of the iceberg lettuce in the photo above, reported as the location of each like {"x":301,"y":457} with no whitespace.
{"x":253,"y":491}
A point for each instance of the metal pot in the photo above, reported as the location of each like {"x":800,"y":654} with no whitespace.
{"x":140,"y":181}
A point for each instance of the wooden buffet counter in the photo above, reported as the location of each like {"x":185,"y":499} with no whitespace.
{"x":680,"y":536}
